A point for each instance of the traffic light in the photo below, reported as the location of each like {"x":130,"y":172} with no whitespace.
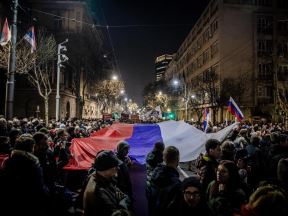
{"x":171,"y":116}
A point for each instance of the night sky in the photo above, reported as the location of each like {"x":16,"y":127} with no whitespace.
{"x":137,"y":47}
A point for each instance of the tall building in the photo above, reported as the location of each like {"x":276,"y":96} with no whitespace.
{"x":63,"y":19}
{"x":161,"y":64}
{"x":238,"y":39}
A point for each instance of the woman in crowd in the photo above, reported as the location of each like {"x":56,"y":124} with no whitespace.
{"x":224,"y":194}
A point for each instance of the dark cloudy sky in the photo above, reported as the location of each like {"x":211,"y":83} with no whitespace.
{"x":137,"y":47}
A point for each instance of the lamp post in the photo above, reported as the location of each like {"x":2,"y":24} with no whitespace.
{"x":61,"y":58}
{"x":10,"y":84}
{"x":186,"y":98}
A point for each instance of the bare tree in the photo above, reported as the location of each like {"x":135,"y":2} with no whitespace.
{"x":87,"y":64}
{"x":34,"y":65}
{"x":282,"y":94}
{"x":108,"y":91}
{"x":25,"y":60}
{"x":39,"y":76}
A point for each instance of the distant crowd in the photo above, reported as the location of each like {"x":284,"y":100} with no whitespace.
{"x":245,"y":175}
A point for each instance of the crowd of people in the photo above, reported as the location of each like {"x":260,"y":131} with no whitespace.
{"x":245,"y":175}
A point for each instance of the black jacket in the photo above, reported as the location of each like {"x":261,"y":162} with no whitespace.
{"x":165,"y":187}
{"x":24,"y":192}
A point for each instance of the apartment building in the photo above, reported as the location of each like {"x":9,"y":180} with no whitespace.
{"x":161,"y":64}
{"x":236,"y":39}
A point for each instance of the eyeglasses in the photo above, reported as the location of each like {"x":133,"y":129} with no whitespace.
{"x":195,"y":194}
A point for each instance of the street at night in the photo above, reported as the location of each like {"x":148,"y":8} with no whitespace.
{"x":144,"y":108}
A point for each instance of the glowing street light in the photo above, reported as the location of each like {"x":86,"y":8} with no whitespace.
{"x":175,"y":82}
{"x":160,"y":93}
{"x":122,"y":92}
{"x":126,"y":99}
{"x":193,"y":96}
{"x":114,"y":77}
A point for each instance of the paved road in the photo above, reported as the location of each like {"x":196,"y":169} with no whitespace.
{"x":138,"y":178}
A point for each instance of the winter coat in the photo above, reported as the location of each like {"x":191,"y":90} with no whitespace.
{"x":153,"y":159}
{"x":224,"y":203}
{"x":164,"y":189}
{"x":24,"y":192}
{"x":102,"y":197}
{"x":123,"y":178}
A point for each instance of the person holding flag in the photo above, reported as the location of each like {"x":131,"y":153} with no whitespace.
{"x":235,"y":110}
{"x":6,"y":34}
{"x":30,"y":38}
{"x":206,"y":117}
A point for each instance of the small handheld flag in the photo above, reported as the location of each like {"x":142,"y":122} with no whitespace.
{"x":206,"y":119}
{"x":235,"y":110}
{"x":30,"y":37}
{"x":6,"y":34}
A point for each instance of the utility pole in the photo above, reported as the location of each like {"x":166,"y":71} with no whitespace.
{"x":186,"y":101}
{"x":10,"y":85}
{"x":61,"y":58}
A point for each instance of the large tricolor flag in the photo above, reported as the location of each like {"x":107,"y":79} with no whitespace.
{"x":235,"y":110}
{"x":141,"y":137}
{"x":206,"y":118}
{"x":30,"y":37}
{"x":6,"y":34}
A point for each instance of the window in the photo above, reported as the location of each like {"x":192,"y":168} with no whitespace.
{"x":200,"y":61}
{"x":199,"y":43}
{"x":264,"y":47}
{"x":263,"y":2}
{"x":265,"y":91}
{"x":57,"y":24}
{"x":282,"y":49}
{"x":214,"y":49}
{"x":205,"y":56}
{"x":282,"y":27}
{"x":214,"y":26}
{"x":261,"y":91}
{"x":78,"y":18}
{"x":206,"y":35}
{"x":265,"y":71}
{"x":282,"y":72}
{"x":282,"y":4}
{"x":264,"y":24}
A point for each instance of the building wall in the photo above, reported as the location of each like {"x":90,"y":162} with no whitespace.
{"x":225,"y":39}
{"x":161,"y":64}
{"x":26,"y":97}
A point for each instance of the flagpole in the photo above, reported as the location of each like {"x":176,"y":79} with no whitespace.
{"x":226,"y":118}
{"x":10,"y":85}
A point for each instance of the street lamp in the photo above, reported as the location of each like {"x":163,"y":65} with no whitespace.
{"x":61,"y":58}
{"x":186,"y":99}
{"x":126,"y":99}
{"x":122,"y":92}
{"x":114,"y":77}
{"x":193,"y":96}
